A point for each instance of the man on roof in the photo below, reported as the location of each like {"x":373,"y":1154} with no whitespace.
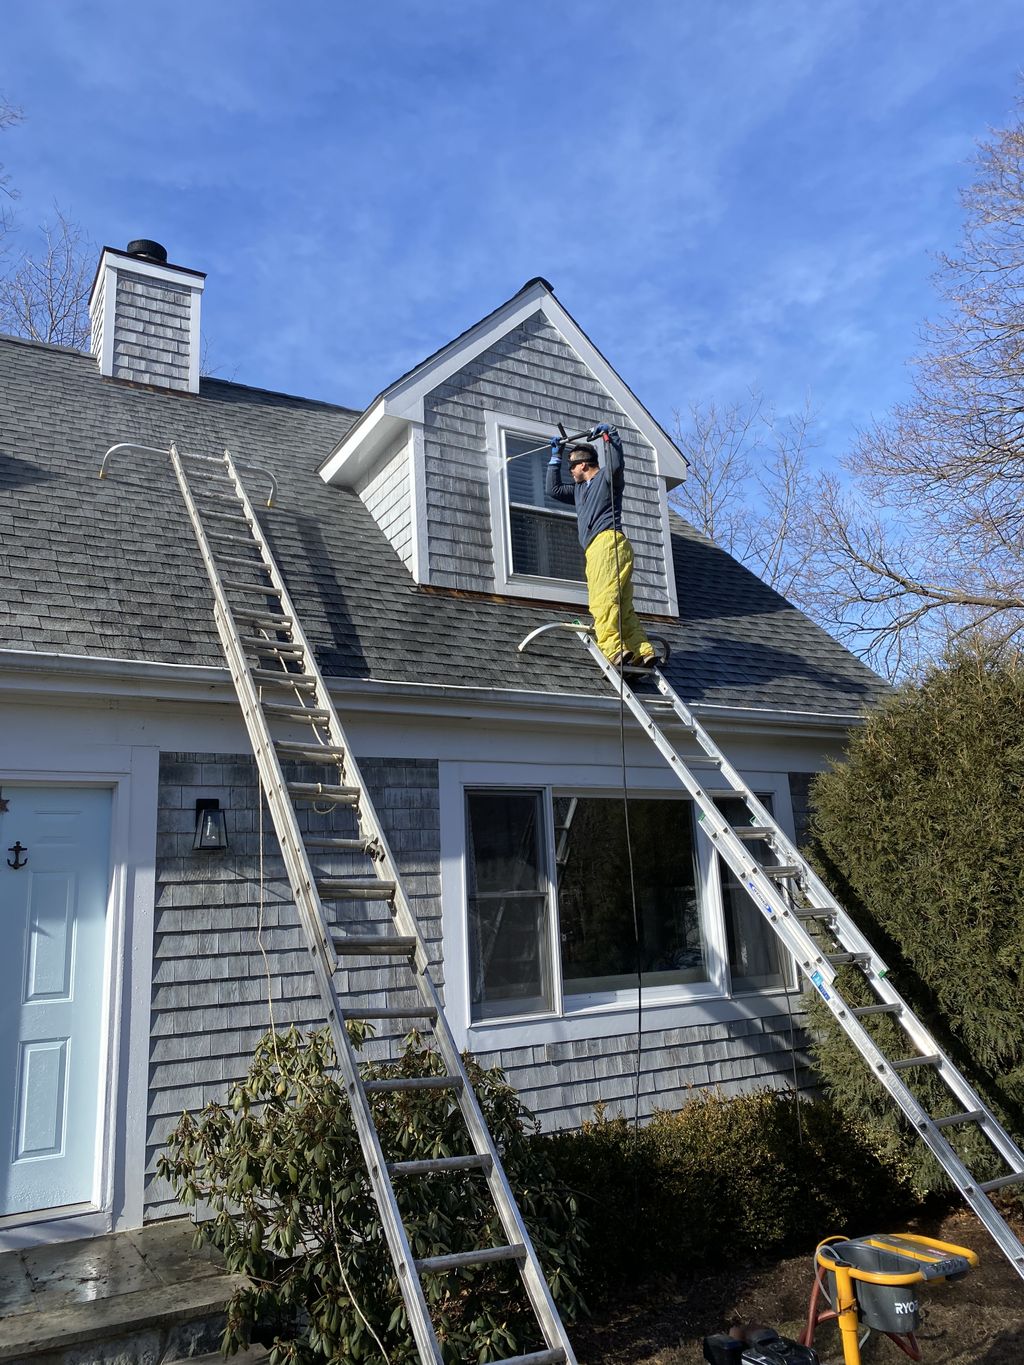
{"x":596,"y":492}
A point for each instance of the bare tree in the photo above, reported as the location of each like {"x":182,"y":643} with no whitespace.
{"x":926,"y":542}
{"x":750,"y":485}
{"x":45,"y":297}
{"x":9,"y":116}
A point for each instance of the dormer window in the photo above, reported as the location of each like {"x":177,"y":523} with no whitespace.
{"x":542,"y":532}
{"x":536,"y":544}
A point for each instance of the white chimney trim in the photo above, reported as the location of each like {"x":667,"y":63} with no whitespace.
{"x":120,"y":260}
{"x":131,"y":340}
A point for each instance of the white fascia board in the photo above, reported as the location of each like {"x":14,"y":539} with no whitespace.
{"x":405,"y":399}
{"x":356,"y":454}
{"x":26,"y":675}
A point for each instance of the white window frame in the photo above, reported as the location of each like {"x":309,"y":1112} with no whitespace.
{"x":506,"y":580}
{"x":680,"y":1006}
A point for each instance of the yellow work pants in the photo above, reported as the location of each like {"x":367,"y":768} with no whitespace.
{"x":610,"y":588}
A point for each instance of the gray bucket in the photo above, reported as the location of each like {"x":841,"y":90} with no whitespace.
{"x":883,"y":1308}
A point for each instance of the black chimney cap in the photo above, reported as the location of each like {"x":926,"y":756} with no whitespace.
{"x":148,"y":251}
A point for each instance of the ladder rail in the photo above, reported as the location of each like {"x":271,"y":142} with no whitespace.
{"x":810,"y":958}
{"x":323,"y":961}
{"x":849,"y":935}
{"x":405,"y":920}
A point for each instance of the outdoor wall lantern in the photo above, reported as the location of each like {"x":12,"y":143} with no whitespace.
{"x":211,"y":831}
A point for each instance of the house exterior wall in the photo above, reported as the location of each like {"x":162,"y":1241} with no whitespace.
{"x":387,"y":493}
{"x":152,"y":330}
{"x":532,"y":374}
{"x":193,"y":997}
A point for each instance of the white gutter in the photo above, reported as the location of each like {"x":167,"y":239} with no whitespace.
{"x":30,"y":675}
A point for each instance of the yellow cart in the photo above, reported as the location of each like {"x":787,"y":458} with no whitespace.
{"x":871,"y":1284}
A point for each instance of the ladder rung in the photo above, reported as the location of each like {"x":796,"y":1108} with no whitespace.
{"x":268,"y":677}
{"x":217,"y":497}
{"x":262,"y":645}
{"x":226,"y":537}
{"x":245,"y":563}
{"x":862,"y":1011}
{"x":989,"y":1185}
{"x":413,"y":1083}
{"x":355,"y":888}
{"x":374,"y":944}
{"x":752,"y":832}
{"x":905,"y":1063}
{"x":823,"y":915}
{"x":440,"y":1163}
{"x":968,"y":1116}
{"x":455,"y":1259}
{"x":724,"y":793}
{"x":283,"y":708}
{"x":783,"y":871}
{"x":285,"y":654}
{"x":257,"y":590}
{"x":330,"y":843}
{"x":319,"y":791}
{"x":323,"y":753}
{"x":845,"y":959}
{"x":236,"y":518}
{"x":555,"y":1357}
{"x":391,"y":1012}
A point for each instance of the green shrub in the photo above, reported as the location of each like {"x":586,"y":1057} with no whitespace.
{"x":721,"y":1180}
{"x":925,"y":826}
{"x":281,"y":1171}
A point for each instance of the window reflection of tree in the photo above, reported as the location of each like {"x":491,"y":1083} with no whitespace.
{"x":594,"y":901}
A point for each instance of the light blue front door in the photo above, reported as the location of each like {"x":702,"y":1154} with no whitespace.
{"x":53,"y":914}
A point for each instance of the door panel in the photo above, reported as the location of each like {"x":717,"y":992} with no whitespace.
{"x":53,"y":913}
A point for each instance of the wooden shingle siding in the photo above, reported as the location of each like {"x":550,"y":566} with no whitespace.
{"x":213,"y":990}
{"x":562,"y":1082}
{"x":210,"y":980}
{"x":533,"y":374}
{"x":152,"y":331}
{"x":388,"y":496}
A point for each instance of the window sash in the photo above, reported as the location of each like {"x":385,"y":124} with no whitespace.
{"x":530,"y":516}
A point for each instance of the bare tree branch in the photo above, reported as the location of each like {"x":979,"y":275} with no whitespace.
{"x":749,"y":486}
{"x":46,"y":296}
{"x":929,"y":544}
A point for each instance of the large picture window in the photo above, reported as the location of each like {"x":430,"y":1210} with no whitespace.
{"x":551,"y":881}
{"x":599,"y":870}
{"x":542,"y":531}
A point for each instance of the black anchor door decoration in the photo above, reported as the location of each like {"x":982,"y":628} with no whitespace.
{"x":18,"y":848}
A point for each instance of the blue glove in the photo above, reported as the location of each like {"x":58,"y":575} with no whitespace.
{"x":602,"y":429}
{"x":556,"y":450}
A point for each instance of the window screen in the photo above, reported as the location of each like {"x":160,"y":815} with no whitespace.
{"x":543,"y":531}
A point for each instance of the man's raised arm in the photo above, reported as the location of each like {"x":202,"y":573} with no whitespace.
{"x":553,"y":485}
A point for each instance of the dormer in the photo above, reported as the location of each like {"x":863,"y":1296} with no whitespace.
{"x":450,"y":460}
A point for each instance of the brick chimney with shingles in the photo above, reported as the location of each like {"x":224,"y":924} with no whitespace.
{"x":145,"y":317}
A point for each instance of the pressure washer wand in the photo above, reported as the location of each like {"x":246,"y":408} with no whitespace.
{"x":535,"y":450}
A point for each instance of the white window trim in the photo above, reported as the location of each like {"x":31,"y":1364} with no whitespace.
{"x":663,"y":1008}
{"x":506,"y":580}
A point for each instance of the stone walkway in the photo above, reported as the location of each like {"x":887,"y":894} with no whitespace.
{"x":139,"y":1298}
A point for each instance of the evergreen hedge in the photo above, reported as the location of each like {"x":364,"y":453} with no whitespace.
{"x":722,"y":1181}
{"x":921,"y":832}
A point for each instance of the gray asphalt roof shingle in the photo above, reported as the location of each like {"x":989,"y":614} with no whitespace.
{"x":111,"y":568}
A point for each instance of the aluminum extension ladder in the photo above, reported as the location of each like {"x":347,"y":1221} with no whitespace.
{"x":267,"y":652}
{"x":772,"y":887}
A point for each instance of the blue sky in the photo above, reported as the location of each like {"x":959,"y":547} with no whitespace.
{"x":725,"y":193}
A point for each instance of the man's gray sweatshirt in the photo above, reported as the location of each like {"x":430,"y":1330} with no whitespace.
{"x":598,"y":500}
